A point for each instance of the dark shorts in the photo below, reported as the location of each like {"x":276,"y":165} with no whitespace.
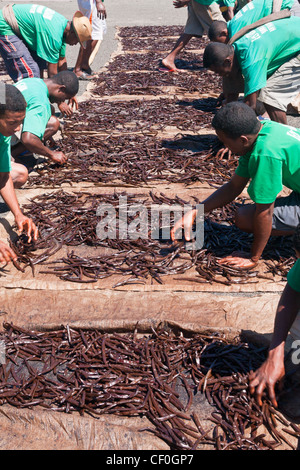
{"x":286,"y":214}
{"x":20,"y":62}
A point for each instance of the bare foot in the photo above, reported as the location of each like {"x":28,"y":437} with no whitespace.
{"x":169,"y":65}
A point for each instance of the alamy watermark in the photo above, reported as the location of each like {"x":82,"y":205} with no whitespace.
{"x":140,"y":221}
{"x":2,"y":352}
{"x":295,"y":357}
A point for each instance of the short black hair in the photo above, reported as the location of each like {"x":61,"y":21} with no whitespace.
{"x":215,"y":53}
{"x":236,"y":119}
{"x":296,"y":239}
{"x":14,"y":100}
{"x":69,"y":79}
{"x":216,"y":28}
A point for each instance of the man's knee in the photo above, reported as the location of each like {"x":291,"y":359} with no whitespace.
{"x":53,"y":126}
{"x":244,"y":217}
{"x":19,"y":174}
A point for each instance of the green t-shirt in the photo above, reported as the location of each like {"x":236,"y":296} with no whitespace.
{"x":206,"y":2}
{"x":41,"y":29}
{"x":5,"y":155}
{"x":273,"y":162}
{"x":252,"y":12}
{"x":263,"y":50}
{"x":38,"y":109}
{"x":293,"y":277}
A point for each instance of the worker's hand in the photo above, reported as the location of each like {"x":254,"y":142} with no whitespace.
{"x":59,"y":157}
{"x":101,"y":10}
{"x":180,"y":3}
{"x":222,"y":152}
{"x":220,"y":99}
{"x":266,"y":377}
{"x":186,"y":223}
{"x":25,"y":224}
{"x":6,"y":253}
{"x":67,"y":109}
{"x":238,"y":260}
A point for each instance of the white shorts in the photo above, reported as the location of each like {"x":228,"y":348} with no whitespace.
{"x":282,"y":86}
{"x":88,"y":9}
{"x":200,"y":17}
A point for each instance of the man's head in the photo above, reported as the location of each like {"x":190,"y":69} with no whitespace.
{"x":237,"y":126}
{"x":219,"y":58}
{"x":12,"y":109}
{"x":218,"y":31}
{"x":296,"y":240}
{"x":78,"y":30}
{"x":62,"y":86}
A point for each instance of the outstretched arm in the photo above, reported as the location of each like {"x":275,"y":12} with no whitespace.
{"x":272,"y":370}
{"x":23,"y":223}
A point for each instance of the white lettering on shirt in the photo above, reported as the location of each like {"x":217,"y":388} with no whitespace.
{"x":294,"y":134}
{"x":258,"y":32}
{"x":46,"y":12}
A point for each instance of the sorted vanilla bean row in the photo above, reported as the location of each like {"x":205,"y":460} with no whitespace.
{"x":70,"y":220}
{"x":141,"y":83}
{"x":155,"y":375}
{"x":136,"y":159}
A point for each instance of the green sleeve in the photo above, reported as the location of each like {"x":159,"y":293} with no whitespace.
{"x":293,"y":277}
{"x":266,"y":179}
{"x":63,"y":51}
{"x":36,"y":120}
{"x":242,"y":169}
{"x":255,"y":76}
{"x":5,"y":155}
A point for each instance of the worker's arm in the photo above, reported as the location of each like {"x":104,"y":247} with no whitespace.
{"x":230,"y":12}
{"x":35,"y":145}
{"x":180,"y":3}
{"x":52,"y":69}
{"x":221,"y":197}
{"x":251,"y":99}
{"x":62,"y":64}
{"x":272,"y":370}
{"x":23,"y":223}
{"x":101,"y":10}
{"x":262,"y":227}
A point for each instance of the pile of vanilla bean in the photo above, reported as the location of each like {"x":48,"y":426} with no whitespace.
{"x":158,"y":375}
{"x":135,"y":160}
{"x":140,"y":83}
{"x":138,"y":115}
{"x":161,"y":43}
{"x":70,"y":220}
{"x":151,"y":61}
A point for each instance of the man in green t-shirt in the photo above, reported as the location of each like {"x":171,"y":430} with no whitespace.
{"x":34,"y":37}
{"x":220,"y":31}
{"x":287,"y":320}
{"x":40,"y":123}
{"x":270,"y":159}
{"x":201,"y":13}
{"x":269,"y":60}
{"x":12,"y":113}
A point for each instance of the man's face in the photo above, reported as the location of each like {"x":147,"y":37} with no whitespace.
{"x":10,"y":122}
{"x":222,"y":37}
{"x":71,"y":38}
{"x":223,"y":70}
{"x":59,"y":95}
{"x":238,"y":145}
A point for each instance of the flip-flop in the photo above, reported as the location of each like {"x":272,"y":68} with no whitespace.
{"x":166,"y":70}
{"x":85,"y":76}
{"x":92,"y":73}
